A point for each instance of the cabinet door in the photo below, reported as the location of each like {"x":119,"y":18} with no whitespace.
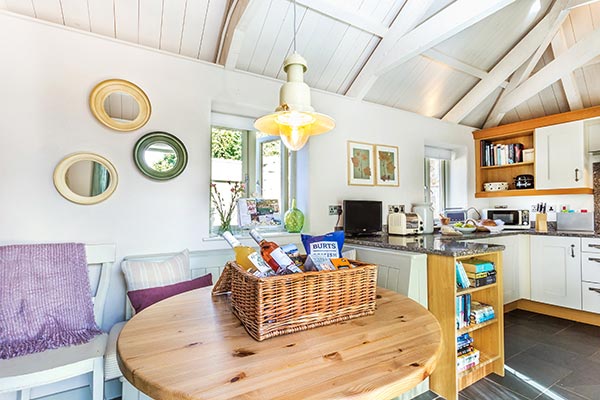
{"x":561,"y":159}
{"x":556,"y":270}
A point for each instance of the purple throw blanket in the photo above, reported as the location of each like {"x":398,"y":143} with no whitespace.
{"x":45,"y":298}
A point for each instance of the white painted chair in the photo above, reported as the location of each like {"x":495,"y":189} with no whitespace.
{"x":25,"y":372}
{"x":201,"y":263}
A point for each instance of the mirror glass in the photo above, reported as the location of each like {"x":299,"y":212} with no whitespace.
{"x":122,"y":107}
{"x":87,"y":178}
{"x":160,"y":156}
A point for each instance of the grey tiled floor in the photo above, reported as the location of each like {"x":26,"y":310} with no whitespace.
{"x":546,"y":358}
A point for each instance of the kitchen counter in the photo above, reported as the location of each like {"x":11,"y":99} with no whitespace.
{"x":454,"y":246}
{"x":428,"y":244}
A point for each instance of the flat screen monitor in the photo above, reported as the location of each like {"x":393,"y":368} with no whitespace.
{"x":362,"y":217}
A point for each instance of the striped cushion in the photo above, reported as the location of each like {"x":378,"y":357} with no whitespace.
{"x":148,"y":274}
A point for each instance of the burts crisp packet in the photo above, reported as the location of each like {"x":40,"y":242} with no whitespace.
{"x":328,"y":245}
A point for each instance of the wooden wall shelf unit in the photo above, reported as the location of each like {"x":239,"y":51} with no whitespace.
{"x":488,"y":336}
{"x":521,"y":132}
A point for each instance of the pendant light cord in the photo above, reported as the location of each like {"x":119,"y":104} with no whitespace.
{"x":294,"y":26}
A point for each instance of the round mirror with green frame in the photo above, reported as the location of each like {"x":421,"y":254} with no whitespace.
{"x":160,"y":155}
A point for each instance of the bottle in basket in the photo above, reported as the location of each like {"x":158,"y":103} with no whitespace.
{"x":247,"y":258}
{"x":274,"y":255}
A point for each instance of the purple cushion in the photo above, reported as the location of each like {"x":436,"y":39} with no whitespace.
{"x":143,"y":298}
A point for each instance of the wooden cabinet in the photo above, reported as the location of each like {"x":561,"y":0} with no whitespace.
{"x":561,"y":157}
{"x":556,"y":270}
{"x":558,"y":153}
{"x":488,"y":337}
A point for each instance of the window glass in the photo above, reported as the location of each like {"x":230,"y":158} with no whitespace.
{"x":436,"y":182}
{"x":241,"y":156}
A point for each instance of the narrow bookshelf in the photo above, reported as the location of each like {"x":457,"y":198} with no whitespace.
{"x":487,"y":337}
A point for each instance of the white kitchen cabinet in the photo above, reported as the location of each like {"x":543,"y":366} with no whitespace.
{"x":515,"y":263}
{"x":556,"y":270}
{"x":561,"y":158}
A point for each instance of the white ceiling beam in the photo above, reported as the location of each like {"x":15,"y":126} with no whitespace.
{"x":516,"y":57}
{"x":240,"y":15}
{"x":579,"y":54}
{"x":342,"y":14}
{"x":458,"y":65}
{"x":495,"y":116}
{"x":411,"y":14}
{"x":578,"y":3}
{"x":568,"y":80}
{"x":451,"y":20}
{"x":594,"y":61}
{"x":404,"y":44}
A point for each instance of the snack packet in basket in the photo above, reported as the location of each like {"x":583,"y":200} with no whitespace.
{"x":328,"y":245}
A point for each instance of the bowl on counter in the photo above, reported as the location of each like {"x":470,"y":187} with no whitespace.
{"x":466,"y":230}
{"x":495,"y":186}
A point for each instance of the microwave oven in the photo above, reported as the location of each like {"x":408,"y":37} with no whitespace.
{"x":513,"y":218}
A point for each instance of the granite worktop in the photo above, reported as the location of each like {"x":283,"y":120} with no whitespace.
{"x":452,"y":246}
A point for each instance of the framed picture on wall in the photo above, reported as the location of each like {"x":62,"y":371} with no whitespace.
{"x":386,"y":164}
{"x":361,"y":164}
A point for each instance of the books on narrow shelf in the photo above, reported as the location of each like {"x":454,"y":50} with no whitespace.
{"x":493,"y":154}
{"x":462,"y":279}
{"x":467,"y":355}
{"x":482,"y":278}
{"x":463,"y":310}
{"x":481,"y":312}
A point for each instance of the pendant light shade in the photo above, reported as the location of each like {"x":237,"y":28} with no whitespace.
{"x":294,"y":119}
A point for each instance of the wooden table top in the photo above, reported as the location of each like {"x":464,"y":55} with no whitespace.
{"x":191,"y":346}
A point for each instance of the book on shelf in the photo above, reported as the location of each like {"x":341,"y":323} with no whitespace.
{"x":467,"y":361}
{"x":477,"y":275}
{"x":475,"y":265}
{"x":463,"y":311}
{"x":481,"y":312}
{"x":483,"y":281}
{"x":462,"y":280}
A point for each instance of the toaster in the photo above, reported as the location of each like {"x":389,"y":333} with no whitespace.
{"x":400,"y":223}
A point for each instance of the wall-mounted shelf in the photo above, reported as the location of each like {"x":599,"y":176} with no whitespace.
{"x":508,"y":165}
{"x":534,"y":192}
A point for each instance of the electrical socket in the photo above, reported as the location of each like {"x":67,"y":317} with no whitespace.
{"x":335,"y":210}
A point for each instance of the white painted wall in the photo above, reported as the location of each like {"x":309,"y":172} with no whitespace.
{"x":47,"y":74}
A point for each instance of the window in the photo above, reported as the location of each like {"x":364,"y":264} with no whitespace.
{"x":437,"y":166}
{"x":239,"y":154}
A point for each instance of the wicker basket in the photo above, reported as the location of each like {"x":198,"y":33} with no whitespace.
{"x":274,"y":306}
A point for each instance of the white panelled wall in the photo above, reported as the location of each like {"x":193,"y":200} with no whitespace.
{"x":47,"y":74}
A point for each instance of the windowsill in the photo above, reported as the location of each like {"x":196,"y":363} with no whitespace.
{"x":246,"y":235}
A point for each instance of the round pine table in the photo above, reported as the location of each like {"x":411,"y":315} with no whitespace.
{"x":191,"y":346}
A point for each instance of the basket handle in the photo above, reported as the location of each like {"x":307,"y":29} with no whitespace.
{"x":223,"y":285}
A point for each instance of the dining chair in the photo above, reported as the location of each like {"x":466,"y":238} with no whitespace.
{"x":21,"y":374}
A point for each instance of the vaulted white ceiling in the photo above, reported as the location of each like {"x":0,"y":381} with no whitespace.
{"x":477,"y":62}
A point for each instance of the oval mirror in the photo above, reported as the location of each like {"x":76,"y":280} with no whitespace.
{"x":85,"y":178}
{"x":120,"y":105}
{"x":160,"y":155}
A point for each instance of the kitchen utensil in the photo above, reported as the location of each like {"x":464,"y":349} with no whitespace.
{"x":444,"y":220}
{"x":495,"y":186}
{"x":524,"y":181}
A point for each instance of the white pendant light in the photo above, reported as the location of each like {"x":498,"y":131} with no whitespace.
{"x":295,"y":120}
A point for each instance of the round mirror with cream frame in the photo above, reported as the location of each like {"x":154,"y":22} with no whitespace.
{"x":85,"y":178}
{"x":120,"y":105}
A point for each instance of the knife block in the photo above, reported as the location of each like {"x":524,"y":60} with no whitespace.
{"x":541,"y":222}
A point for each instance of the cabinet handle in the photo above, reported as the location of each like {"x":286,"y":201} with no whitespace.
{"x":573,"y":250}
{"x":594,"y":259}
{"x":594,"y":246}
{"x":576,"y":174}
{"x":593,"y":289}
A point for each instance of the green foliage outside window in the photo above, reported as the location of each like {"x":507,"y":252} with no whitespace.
{"x":226,"y":143}
{"x":168,"y":161}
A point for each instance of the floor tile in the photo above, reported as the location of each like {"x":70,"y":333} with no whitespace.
{"x":429,"y":395}
{"x":541,"y":373}
{"x":488,"y":390}
{"x":519,"y":315}
{"x":579,"y":338}
{"x":547,"y":324}
{"x":461,"y":397}
{"x":516,"y":383}
{"x":583,"y":382}
{"x":515,"y":343}
{"x":558,"y":393}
